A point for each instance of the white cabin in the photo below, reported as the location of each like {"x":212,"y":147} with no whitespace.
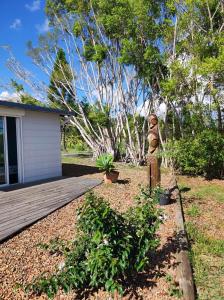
{"x":30,"y":143}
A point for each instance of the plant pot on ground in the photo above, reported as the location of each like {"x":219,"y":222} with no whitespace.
{"x":164,"y":197}
{"x":110,"y":177}
{"x":105,"y":163}
{"x":161,"y":195}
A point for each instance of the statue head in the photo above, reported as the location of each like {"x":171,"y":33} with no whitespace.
{"x":153,"y":120}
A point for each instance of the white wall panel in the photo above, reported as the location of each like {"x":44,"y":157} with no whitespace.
{"x":41,"y":145}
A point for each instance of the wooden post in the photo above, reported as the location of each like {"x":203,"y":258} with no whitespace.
{"x":153,"y":160}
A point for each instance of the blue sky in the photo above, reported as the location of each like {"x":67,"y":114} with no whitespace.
{"x":21,"y":21}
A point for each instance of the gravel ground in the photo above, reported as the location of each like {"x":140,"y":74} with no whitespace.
{"x":21,"y":259}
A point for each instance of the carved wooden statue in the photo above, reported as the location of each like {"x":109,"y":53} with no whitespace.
{"x":153,"y":160}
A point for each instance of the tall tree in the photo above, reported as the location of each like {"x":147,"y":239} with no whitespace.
{"x":194,"y":86}
{"x":118,"y":59}
{"x":60,"y":87}
{"x":114,"y":54}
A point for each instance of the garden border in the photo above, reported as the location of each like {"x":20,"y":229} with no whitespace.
{"x":184,"y":269}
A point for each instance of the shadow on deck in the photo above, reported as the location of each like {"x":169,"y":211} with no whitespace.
{"x":68,"y":170}
{"x":74,"y":170}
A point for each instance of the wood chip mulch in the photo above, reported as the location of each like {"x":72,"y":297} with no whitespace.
{"x":21,"y":260}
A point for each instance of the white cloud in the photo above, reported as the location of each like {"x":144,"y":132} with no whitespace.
{"x":160,"y":109}
{"x":34,"y":6}
{"x":12,"y":97}
{"x":44,"y":27}
{"x":17,"y":23}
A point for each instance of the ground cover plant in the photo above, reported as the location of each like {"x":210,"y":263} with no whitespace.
{"x":110,"y":247}
{"x":203,"y":205}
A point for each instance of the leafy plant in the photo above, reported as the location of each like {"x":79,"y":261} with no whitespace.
{"x":152,"y":193}
{"x":110,"y":247}
{"x":55,"y":246}
{"x":105,"y":163}
{"x":202,"y":154}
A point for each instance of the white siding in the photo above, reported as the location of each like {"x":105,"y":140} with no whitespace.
{"x":41,"y":146}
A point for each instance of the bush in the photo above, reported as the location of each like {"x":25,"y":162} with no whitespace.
{"x":80,"y":146}
{"x":199,"y":155}
{"x":110,"y":247}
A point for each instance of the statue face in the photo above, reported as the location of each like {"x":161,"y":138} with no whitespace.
{"x":154,"y":143}
{"x":153,"y":119}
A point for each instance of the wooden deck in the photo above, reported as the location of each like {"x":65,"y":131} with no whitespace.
{"x":24,"y":205}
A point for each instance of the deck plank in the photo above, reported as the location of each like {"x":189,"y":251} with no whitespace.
{"x":21,"y":208}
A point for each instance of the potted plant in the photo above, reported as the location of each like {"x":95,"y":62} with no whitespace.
{"x":105,"y":163}
{"x":162,"y":196}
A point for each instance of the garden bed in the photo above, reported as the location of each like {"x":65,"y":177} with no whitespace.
{"x":21,"y":259}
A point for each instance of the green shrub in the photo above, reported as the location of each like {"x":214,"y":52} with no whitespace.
{"x":80,"y":146}
{"x":105,"y":163}
{"x":202,"y":154}
{"x":110,"y":247}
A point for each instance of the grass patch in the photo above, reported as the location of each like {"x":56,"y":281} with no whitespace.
{"x":205,"y":199}
{"x":89,"y":161}
{"x":193,"y":211}
{"x":210,"y":191}
{"x":79,"y":160}
{"x":202,"y":190}
{"x":207,"y":245}
{"x":207,"y":258}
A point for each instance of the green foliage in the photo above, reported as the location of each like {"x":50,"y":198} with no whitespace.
{"x":179,"y":84}
{"x":98,"y":116}
{"x":195,"y":67}
{"x":110,"y":247}
{"x":72,"y":140}
{"x":105,"y":163}
{"x":130,"y":29}
{"x":80,"y":146}
{"x":55,"y":246}
{"x":202,"y":154}
{"x":99,"y":119}
{"x":95,"y":53}
{"x":18,"y":87}
{"x":27,"y":99}
{"x":60,"y":82}
{"x":24,"y":97}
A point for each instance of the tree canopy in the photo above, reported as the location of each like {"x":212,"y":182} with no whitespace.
{"x":114,"y":62}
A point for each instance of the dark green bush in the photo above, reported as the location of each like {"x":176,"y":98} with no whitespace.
{"x":110,"y":247}
{"x":202,"y":154}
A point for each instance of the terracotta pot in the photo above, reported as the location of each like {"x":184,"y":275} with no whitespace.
{"x":111,"y":177}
